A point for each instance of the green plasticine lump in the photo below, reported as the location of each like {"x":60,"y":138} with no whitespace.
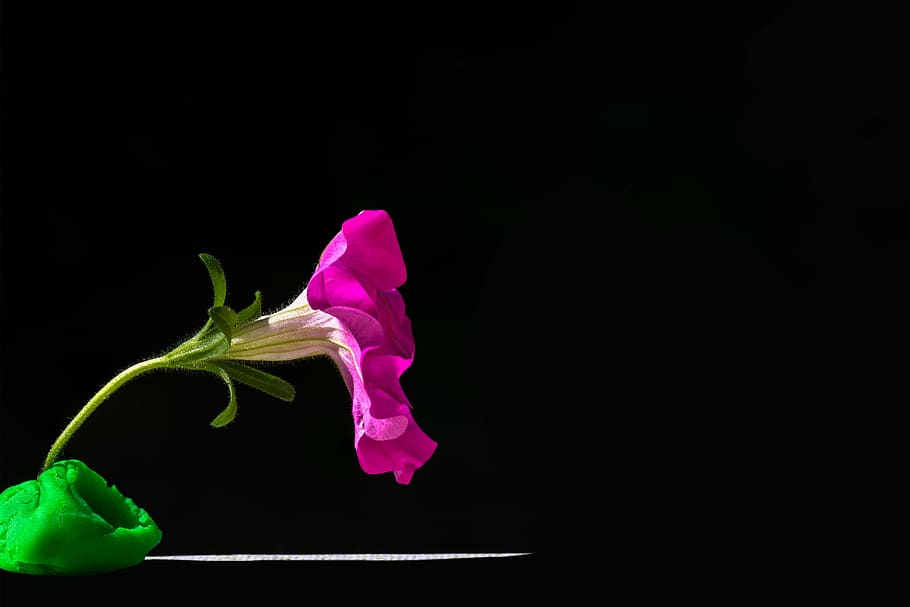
{"x":71,"y":522}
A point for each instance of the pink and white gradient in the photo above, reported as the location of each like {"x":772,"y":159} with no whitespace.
{"x":351,"y":310}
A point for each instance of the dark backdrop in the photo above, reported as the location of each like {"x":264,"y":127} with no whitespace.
{"x":657,"y":268}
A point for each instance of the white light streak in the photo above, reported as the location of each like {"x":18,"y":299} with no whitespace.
{"x":242,"y":558}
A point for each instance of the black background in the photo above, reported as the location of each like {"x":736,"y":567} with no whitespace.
{"x":657,"y":263}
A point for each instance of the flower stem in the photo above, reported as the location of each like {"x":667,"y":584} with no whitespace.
{"x":102,"y":395}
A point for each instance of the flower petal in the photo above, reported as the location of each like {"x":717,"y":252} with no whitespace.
{"x":402,"y":456}
{"x":364,"y":255}
{"x":387,"y":439}
{"x":358,"y":273}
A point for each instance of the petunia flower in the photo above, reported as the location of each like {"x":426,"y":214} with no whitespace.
{"x":352,"y":312}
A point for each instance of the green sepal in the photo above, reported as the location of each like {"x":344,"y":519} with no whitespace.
{"x":216,"y":273}
{"x":251,"y":312}
{"x":230,"y":412}
{"x":259,"y":379}
{"x":224,"y":318}
{"x":211,"y":346}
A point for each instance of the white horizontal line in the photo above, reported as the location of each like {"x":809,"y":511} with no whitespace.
{"x":334,"y":557}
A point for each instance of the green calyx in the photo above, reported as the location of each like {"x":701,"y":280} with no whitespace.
{"x":205,"y":350}
{"x":71,"y":522}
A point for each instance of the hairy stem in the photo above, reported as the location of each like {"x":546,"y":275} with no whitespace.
{"x":102,"y":395}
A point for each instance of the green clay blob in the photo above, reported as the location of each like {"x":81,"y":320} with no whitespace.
{"x":70,"y":522}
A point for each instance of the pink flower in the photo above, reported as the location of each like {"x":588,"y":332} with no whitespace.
{"x":351,"y":311}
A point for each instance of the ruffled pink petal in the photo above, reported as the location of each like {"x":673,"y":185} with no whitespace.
{"x":356,"y":282}
{"x":402,"y":456}
{"x":367,"y":250}
{"x":392,"y":442}
{"x":407,"y":450}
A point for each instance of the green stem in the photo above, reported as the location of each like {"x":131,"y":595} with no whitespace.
{"x":102,"y":395}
